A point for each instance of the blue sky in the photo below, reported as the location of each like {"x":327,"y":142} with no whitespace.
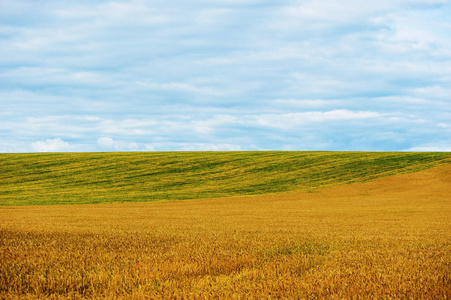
{"x":225,"y":75}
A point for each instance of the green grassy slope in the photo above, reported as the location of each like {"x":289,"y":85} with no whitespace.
{"x":65,"y":178}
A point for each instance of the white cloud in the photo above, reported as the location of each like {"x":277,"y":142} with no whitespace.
{"x":431,"y":148}
{"x":307,"y":103}
{"x":113,"y":13}
{"x":404,"y":100}
{"x":433,"y":91}
{"x":107,"y":143}
{"x":208,"y":126}
{"x":292,"y":120}
{"x":210,"y":17}
{"x":57,"y":76}
{"x":180,"y":87}
{"x":210,"y":147}
{"x":337,"y":10}
{"x":349,"y":10}
{"x":52,"y":145}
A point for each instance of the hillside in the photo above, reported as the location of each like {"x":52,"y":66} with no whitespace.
{"x":77,"y":178}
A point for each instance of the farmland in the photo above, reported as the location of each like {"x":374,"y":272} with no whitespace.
{"x":369,"y":226}
{"x":76,"y":178}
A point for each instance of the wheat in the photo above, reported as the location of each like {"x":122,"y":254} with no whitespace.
{"x":385,"y":239}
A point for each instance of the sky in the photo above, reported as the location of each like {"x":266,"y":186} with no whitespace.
{"x":177,"y":75}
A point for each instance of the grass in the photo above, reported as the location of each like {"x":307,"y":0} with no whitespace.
{"x":387,"y":238}
{"x":81,"y":178}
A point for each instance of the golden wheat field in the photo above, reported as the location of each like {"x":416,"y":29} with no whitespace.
{"x":389,"y":238}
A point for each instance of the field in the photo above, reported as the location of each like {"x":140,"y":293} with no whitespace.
{"x":381,"y":237}
{"x":79,"y":178}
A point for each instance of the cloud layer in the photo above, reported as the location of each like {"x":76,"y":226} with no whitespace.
{"x":225,"y":75}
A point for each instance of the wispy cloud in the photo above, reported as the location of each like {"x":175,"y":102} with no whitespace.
{"x":224,"y":75}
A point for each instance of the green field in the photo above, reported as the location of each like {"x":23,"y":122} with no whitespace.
{"x":79,"y":178}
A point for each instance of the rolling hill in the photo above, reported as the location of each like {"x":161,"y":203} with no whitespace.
{"x":81,"y":178}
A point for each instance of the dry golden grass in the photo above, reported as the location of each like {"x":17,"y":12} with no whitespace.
{"x":385,"y":239}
